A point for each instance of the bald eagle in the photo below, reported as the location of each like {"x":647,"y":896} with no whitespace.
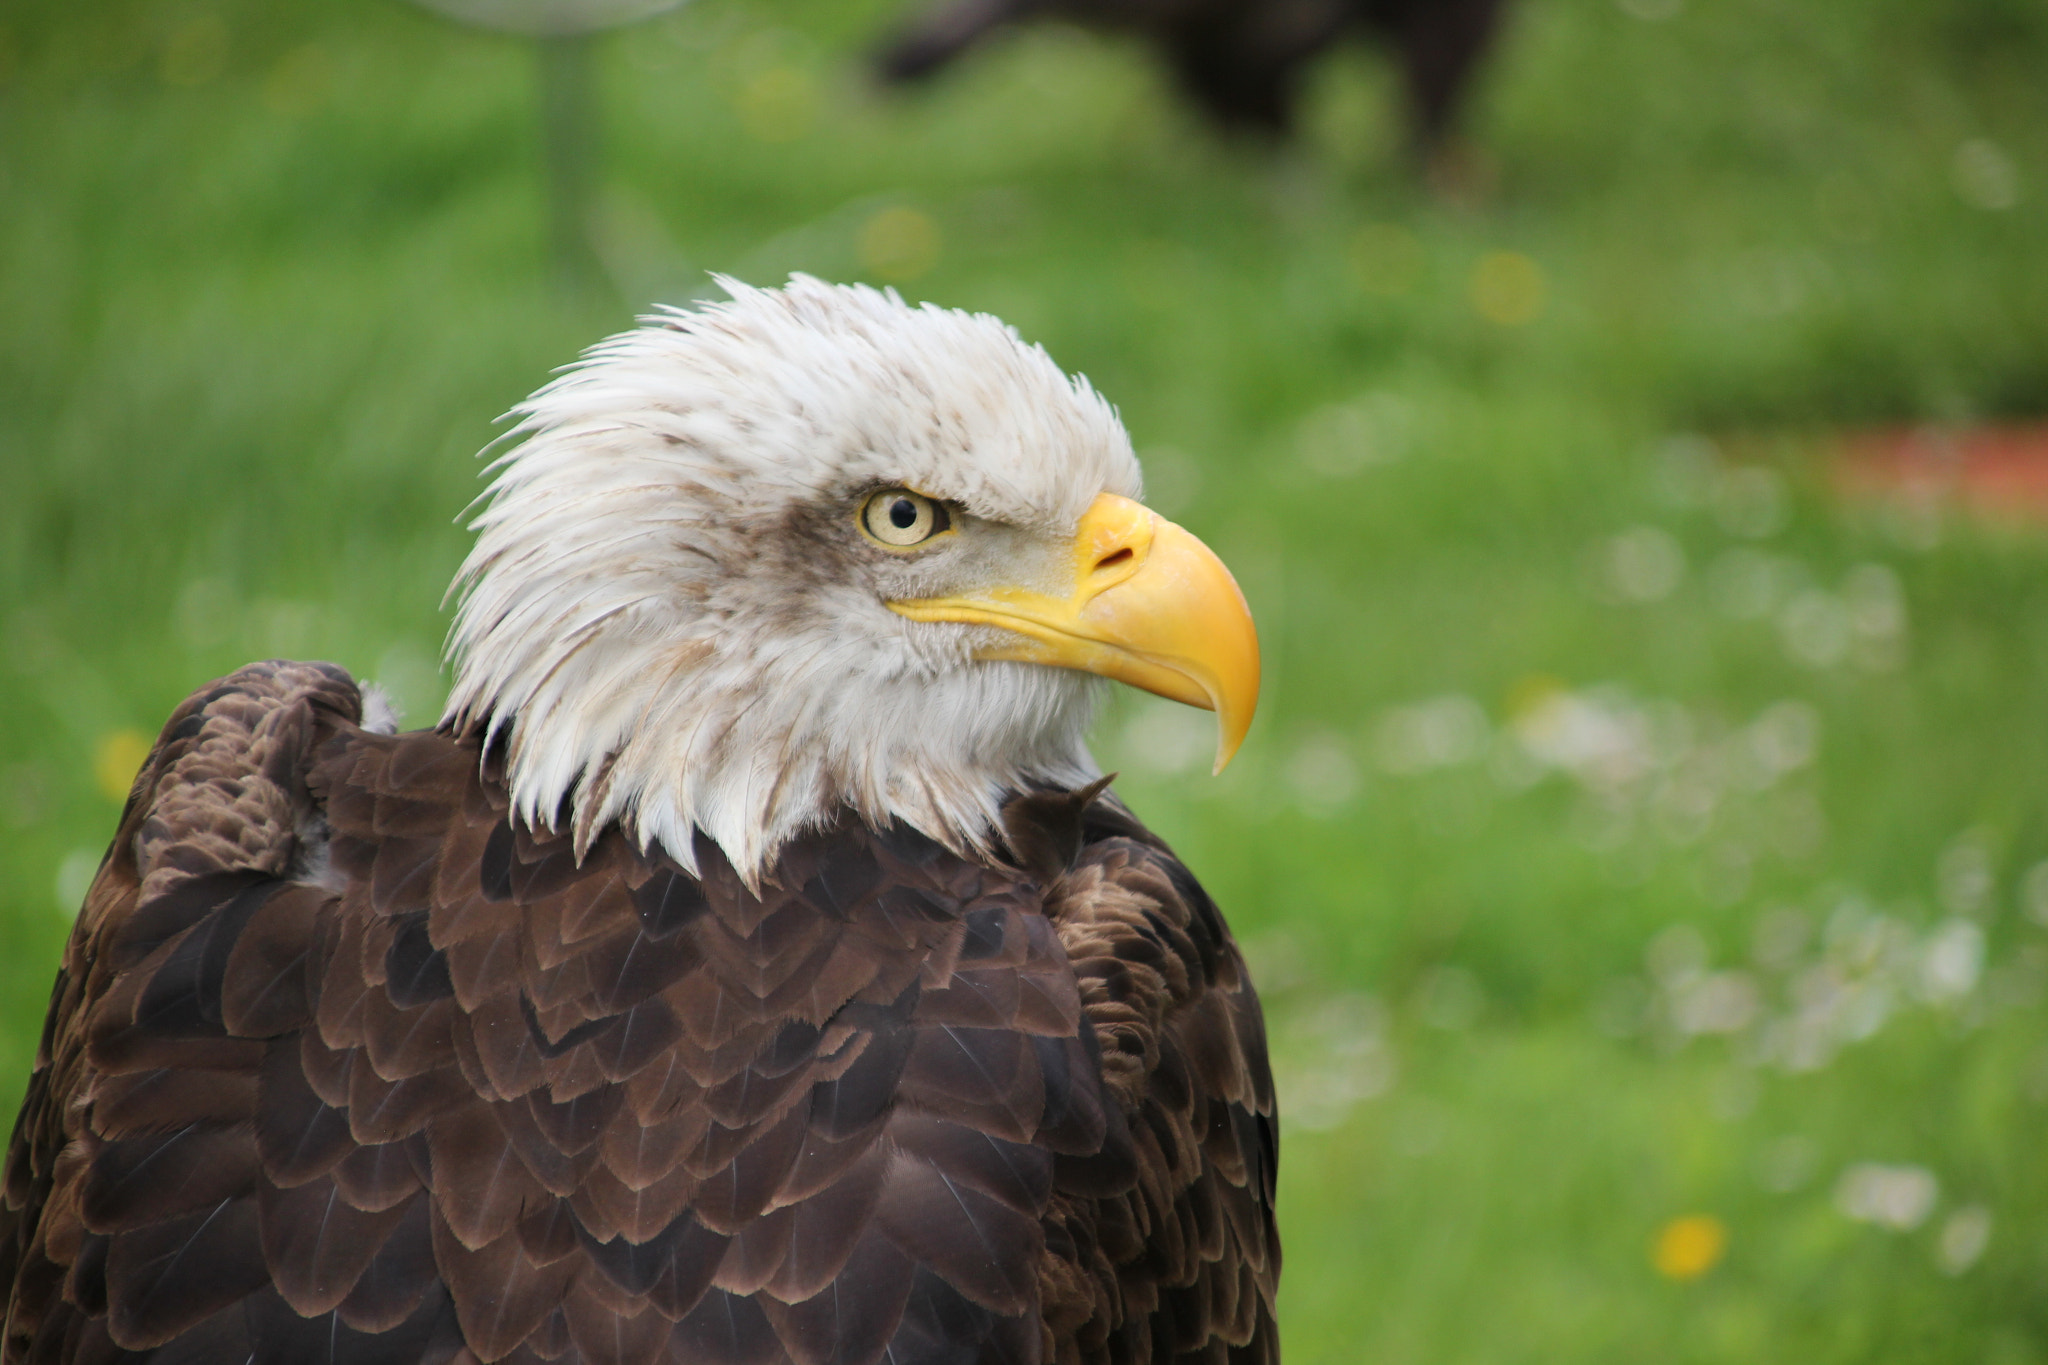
{"x":753,"y":965}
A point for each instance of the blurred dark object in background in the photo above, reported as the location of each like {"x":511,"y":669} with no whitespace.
{"x":1242,"y":61}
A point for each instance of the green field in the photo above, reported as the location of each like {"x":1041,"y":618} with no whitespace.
{"x":1644,"y":851}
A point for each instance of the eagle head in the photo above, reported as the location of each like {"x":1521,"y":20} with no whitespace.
{"x":810,"y":549}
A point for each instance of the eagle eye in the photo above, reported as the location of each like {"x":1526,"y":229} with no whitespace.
{"x":899,"y":518}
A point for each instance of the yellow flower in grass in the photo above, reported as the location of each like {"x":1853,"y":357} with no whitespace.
{"x":1689,"y":1247}
{"x":899,"y":244}
{"x":1508,"y":288}
{"x":115,"y":761}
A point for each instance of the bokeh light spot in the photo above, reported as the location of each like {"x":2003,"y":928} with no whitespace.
{"x":1323,"y":774}
{"x":1385,"y":259}
{"x":779,"y":104}
{"x":300,"y":81}
{"x":115,"y":761}
{"x":196,"y":53}
{"x":1341,"y":439}
{"x":74,"y":879}
{"x":1985,"y":176}
{"x":899,"y":244}
{"x":1508,"y":288}
{"x":1897,"y":1198}
{"x":1688,"y":1247}
{"x":1963,"y":1239}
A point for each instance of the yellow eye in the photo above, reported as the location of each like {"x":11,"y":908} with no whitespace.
{"x":900,"y":518}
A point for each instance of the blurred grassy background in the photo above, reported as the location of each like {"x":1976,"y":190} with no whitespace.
{"x":1643,"y":852}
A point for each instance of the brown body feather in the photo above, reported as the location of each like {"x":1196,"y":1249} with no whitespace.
{"x":343,"y":1065}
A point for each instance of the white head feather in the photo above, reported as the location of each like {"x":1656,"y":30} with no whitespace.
{"x":658,"y":617}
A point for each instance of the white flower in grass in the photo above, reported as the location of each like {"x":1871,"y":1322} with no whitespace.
{"x":1751,"y":500}
{"x":1897,"y":1198}
{"x":1951,"y":961}
{"x":1676,"y":955}
{"x":1598,"y":737}
{"x":1323,"y":775}
{"x":1344,"y":438}
{"x":74,"y":879}
{"x":1782,"y":739}
{"x":1815,"y":628}
{"x":1780,"y":936}
{"x":2034,"y":893}
{"x":1985,"y":176}
{"x":1715,"y":1002}
{"x":1963,"y":1238}
{"x":1331,"y":1057}
{"x":1748,"y":584}
{"x":1642,"y":564}
{"x":1876,"y":600}
{"x":1440,"y":732}
{"x":1965,"y":876}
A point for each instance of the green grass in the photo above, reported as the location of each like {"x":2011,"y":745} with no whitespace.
{"x":268,"y":274}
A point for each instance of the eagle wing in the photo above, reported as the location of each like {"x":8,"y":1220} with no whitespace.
{"x":1162,"y":1247}
{"x":345,"y":1064}
{"x":138,"y":1111}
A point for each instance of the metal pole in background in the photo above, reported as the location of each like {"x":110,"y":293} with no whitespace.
{"x":570,"y":151}
{"x":561,"y":30}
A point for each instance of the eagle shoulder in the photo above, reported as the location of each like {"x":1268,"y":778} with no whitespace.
{"x":1163,"y":1246}
{"x":219,"y":808}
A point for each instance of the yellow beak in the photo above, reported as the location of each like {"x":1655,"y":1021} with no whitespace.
{"x":1151,"y":606}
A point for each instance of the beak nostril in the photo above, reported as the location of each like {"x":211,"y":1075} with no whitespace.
{"x":1110,"y":561}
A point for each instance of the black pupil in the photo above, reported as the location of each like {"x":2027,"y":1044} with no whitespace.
{"x":903,"y":514}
